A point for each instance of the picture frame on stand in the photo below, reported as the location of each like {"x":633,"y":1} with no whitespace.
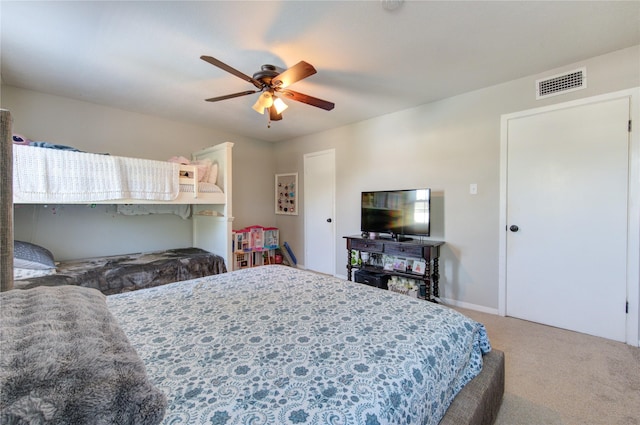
{"x":286,"y":191}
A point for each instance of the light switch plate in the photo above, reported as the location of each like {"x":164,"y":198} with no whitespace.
{"x":473,"y":189}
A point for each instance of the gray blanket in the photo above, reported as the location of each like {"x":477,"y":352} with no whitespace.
{"x":123,"y":273}
{"x":65,"y":360}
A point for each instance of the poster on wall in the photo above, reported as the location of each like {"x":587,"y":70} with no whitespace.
{"x":287,"y":194}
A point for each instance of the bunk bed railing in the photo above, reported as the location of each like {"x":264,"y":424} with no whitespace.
{"x":189,"y":176}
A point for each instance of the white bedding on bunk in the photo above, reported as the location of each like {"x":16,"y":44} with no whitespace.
{"x":57,"y":176}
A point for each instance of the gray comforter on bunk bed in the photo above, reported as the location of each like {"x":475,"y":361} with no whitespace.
{"x":124,"y":273}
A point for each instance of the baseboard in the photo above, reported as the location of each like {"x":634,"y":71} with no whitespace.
{"x":462,"y":304}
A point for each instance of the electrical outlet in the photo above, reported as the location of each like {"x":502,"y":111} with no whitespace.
{"x":473,"y":189}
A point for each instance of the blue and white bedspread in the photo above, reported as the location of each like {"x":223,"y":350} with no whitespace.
{"x":278,"y":345}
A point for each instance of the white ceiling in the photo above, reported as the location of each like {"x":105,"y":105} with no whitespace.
{"x":145,"y":56}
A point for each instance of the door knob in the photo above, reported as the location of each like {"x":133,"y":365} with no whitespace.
{"x":514,"y":228}
{"x":328,"y":220}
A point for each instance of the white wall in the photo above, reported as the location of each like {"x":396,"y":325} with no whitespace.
{"x":445,"y":145}
{"x":81,"y":231}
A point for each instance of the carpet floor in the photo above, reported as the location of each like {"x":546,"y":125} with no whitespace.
{"x":559,"y":377}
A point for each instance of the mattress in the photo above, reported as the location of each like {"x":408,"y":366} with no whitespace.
{"x":123,"y":273}
{"x":275,"y":344}
{"x":203,"y":187}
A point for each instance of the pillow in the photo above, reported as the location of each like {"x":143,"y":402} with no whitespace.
{"x":30,"y":256}
{"x":179,"y":160}
{"x":213,"y":173}
{"x":21,"y":274}
{"x":204,"y":168}
{"x":203,"y":165}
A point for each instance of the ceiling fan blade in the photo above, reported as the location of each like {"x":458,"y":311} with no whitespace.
{"x":274,"y":115}
{"x":224,"y":66}
{"x":297,"y":72}
{"x":309,"y":100}
{"x":231,"y":96}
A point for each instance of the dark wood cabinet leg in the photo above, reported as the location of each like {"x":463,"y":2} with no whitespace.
{"x":436,"y":278}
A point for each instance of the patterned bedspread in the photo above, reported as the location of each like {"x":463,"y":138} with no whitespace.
{"x":278,"y":345}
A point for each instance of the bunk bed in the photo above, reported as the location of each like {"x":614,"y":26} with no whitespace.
{"x":47,"y":175}
{"x":58,"y":176}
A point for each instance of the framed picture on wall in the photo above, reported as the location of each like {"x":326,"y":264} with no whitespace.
{"x":287,"y":194}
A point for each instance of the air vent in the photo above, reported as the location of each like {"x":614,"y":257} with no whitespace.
{"x":561,"y":83}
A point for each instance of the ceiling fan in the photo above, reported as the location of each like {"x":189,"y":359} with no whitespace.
{"x":269,"y":82}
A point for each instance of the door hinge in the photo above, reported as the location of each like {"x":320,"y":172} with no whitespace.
{"x":626,"y":307}
{"x":629,"y":126}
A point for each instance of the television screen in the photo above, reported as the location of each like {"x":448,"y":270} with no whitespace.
{"x":398,"y":212}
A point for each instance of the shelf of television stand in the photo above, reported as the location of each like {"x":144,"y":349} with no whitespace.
{"x":429,"y":251}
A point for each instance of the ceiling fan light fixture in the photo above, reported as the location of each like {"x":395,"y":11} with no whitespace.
{"x":265,"y":100}
{"x":271,"y":80}
{"x":258,"y":107}
{"x":279,"y":105}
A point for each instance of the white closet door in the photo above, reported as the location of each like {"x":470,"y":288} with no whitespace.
{"x":319,"y":210}
{"x":567,"y":182}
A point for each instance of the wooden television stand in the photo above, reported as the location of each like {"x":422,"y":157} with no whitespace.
{"x":427,"y":251}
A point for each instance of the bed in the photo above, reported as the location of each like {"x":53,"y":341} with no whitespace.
{"x":268,"y":345}
{"x":48,"y":175}
{"x":115,"y":274}
{"x":199,"y":189}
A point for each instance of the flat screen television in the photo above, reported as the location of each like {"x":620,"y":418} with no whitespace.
{"x":398,"y":213}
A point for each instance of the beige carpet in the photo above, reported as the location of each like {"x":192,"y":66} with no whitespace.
{"x":560,"y":377}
